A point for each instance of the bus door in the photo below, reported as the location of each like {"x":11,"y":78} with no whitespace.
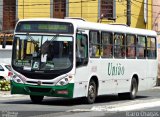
{"x":81,"y":54}
{"x":152,"y":61}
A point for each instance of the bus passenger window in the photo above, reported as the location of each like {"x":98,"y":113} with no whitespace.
{"x":81,"y":49}
{"x":151,"y":47}
{"x":131,"y":46}
{"x":107,"y":46}
{"x":141,"y":45}
{"x":94,"y":51}
{"x":119,"y":47}
{"x":131,"y":51}
{"x":107,"y":51}
{"x":94,"y":44}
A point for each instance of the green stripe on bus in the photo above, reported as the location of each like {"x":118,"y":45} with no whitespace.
{"x":17,"y":88}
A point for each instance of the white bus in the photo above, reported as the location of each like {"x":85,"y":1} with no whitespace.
{"x":75,"y":58}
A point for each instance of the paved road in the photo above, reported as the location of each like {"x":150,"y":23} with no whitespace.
{"x":109,"y":105}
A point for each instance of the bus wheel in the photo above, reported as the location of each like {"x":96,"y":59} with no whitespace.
{"x":36,"y":99}
{"x":133,"y":91}
{"x":92,"y":92}
{"x":134,"y":88}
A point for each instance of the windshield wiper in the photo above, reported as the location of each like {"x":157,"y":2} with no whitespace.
{"x":31,"y":38}
{"x":53,"y":38}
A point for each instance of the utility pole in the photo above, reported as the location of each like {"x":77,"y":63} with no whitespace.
{"x":129,"y":12}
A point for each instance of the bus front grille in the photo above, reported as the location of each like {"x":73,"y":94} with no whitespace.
{"x":45,"y":83}
{"x":40,"y":90}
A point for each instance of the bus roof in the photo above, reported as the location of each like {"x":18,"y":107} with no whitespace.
{"x":98,"y":26}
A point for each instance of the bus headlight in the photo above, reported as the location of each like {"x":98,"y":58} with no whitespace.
{"x":64,"y":81}
{"x":17,"y":79}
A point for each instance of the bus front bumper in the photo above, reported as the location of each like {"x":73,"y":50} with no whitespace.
{"x":54,"y":91}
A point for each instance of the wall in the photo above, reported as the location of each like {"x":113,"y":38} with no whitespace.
{"x":9,"y":15}
{"x":156,"y":26}
{"x":5,"y":54}
{"x":156,"y":15}
{"x":87,"y":10}
{"x":33,"y":9}
{"x":90,"y":12}
{"x":137,"y":14}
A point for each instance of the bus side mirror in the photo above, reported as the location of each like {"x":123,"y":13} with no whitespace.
{"x":4,"y":42}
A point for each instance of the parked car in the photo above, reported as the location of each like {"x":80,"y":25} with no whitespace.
{"x":5,"y":71}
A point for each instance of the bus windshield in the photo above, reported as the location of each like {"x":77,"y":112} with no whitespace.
{"x":42,"y":52}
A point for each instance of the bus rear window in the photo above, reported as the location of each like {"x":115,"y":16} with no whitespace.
{"x":45,"y":27}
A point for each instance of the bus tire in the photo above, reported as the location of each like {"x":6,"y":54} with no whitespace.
{"x":92,"y":92}
{"x":133,"y":91}
{"x":36,"y":99}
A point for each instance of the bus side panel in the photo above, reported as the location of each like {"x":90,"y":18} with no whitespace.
{"x":139,"y":67}
{"x":123,"y":75}
{"x":143,"y":71}
{"x":98,"y":67}
{"x":111,"y":80}
{"x":106,"y":83}
{"x":81,"y":81}
{"x":152,"y":72}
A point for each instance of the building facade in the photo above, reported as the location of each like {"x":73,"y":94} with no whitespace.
{"x":156,"y":27}
{"x":33,"y":8}
{"x":114,"y":11}
{"x":42,"y":8}
{"x":156,"y":15}
{"x":105,"y":11}
{"x":7,"y":15}
{"x":8,"y":18}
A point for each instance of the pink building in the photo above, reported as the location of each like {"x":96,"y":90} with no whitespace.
{"x":156,"y":25}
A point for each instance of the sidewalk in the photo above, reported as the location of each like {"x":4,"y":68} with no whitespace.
{"x":5,"y":94}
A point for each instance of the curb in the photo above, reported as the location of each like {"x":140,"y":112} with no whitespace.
{"x":156,"y":87}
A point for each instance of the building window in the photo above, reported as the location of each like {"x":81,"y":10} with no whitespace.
{"x":9,"y":15}
{"x":59,"y":8}
{"x":107,"y":9}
